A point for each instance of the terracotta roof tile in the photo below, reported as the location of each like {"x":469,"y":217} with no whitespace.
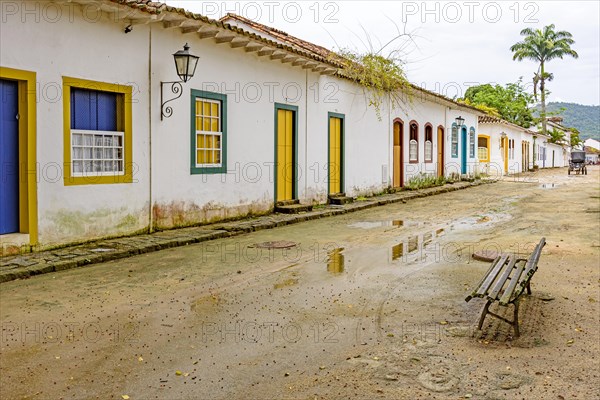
{"x":280,"y":35}
{"x":292,"y":43}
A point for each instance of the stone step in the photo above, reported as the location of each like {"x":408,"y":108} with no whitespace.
{"x":284,"y":203}
{"x":293,"y":208}
{"x":339,"y":199}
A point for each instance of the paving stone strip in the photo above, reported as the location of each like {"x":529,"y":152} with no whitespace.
{"x":26,"y":265}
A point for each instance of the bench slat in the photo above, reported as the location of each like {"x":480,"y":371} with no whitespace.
{"x":530,"y":269}
{"x":532,"y":262}
{"x":474,"y":292}
{"x":508,"y":293}
{"x":489,"y":279}
{"x":503,"y":278}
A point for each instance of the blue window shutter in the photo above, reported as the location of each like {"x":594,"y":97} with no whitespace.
{"x":107,"y":111}
{"x":81,"y":117}
{"x":93,"y":110}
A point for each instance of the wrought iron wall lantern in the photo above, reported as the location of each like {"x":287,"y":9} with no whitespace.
{"x":460,"y":121}
{"x":185,"y":63}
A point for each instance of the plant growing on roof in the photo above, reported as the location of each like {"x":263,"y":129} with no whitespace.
{"x":543,"y":45}
{"x":382,"y":77}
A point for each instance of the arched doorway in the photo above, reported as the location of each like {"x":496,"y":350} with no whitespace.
{"x":398,"y":172}
{"x":440,"y":151}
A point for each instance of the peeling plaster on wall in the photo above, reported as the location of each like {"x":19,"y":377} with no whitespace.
{"x":65,"y":226}
{"x":178,"y":214}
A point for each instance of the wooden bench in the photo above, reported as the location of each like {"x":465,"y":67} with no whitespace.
{"x":505,"y":282}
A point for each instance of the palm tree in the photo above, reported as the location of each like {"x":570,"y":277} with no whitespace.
{"x":543,"y":45}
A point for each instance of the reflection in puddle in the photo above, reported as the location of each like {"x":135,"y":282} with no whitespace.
{"x":427,"y":238}
{"x":415,"y":243}
{"x":376,"y":224}
{"x":397,"y":251}
{"x":548,"y":185}
{"x":411,"y":246}
{"x":335,"y":261}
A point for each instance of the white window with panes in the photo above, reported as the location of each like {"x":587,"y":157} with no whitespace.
{"x":209,"y":133}
{"x":97,"y":139}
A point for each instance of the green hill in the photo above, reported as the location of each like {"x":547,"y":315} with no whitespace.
{"x":585,"y":118}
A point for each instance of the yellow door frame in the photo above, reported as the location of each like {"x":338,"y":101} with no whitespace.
{"x":335,"y":153}
{"x":284,"y":189}
{"x":28,"y":222}
{"x":441,"y":149}
{"x":398,"y":159}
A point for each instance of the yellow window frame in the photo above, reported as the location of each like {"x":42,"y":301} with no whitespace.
{"x":125,"y":108}
{"x":487,"y":139}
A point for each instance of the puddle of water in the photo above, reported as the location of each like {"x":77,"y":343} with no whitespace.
{"x":427,"y":238}
{"x":376,"y":224}
{"x":286,"y":283}
{"x":548,"y":185}
{"x":414,"y":243}
{"x":335,"y":261}
{"x":206,"y":304}
{"x":397,"y":251}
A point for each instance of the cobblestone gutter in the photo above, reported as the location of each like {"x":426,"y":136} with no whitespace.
{"x":27,"y":265}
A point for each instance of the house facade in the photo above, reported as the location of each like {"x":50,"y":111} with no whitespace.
{"x":101,"y":139}
{"x":505,"y":148}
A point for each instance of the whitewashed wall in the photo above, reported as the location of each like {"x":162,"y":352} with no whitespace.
{"x":164,"y":191}
{"x":68,"y":45}
{"x":496,"y":165}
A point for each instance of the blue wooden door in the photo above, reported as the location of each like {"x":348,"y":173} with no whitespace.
{"x":463,"y":161}
{"x":9,"y":157}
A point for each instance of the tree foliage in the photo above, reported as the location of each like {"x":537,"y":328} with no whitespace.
{"x":575,"y":138}
{"x":556,"y":136}
{"x":543,"y":45}
{"x":510,"y":102}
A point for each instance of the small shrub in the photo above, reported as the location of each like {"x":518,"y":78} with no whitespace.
{"x":423,"y":181}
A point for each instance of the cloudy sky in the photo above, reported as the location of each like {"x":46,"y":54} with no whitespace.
{"x":454,"y":44}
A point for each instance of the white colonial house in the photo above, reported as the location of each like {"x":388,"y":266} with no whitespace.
{"x":100,"y":137}
{"x":505,"y":148}
{"x":592,"y":143}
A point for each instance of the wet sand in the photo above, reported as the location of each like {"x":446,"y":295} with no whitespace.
{"x":364,"y":305}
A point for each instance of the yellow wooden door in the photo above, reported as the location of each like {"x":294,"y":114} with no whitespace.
{"x":335,"y":155}
{"x":398,"y":173}
{"x":285,"y":155}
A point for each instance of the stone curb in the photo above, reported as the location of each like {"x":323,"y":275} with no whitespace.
{"x":27,"y":265}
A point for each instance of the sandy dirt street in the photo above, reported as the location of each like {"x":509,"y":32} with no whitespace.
{"x":366,"y":305}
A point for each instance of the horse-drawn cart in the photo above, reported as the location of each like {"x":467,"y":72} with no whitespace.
{"x":577,"y":163}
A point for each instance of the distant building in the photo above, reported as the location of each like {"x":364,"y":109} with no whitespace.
{"x":592,"y":143}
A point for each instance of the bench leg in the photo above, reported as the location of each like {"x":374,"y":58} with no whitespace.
{"x":529,"y":287}
{"x":515,"y":323}
{"x":484,"y":313}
